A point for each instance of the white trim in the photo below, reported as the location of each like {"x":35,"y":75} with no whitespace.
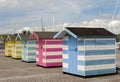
{"x":65,"y":47}
{"x":9,"y":48}
{"x":96,"y":47}
{"x":95,"y":67}
{"x":17,"y":49}
{"x":96,"y":57}
{"x":18,"y":54}
{"x":52,"y":53}
{"x":65,"y":56}
{"x":30,"y":57}
{"x":37,"y":52}
{"x":31,"y":45}
{"x":37,"y":59}
{"x":79,"y":39}
{"x":18,"y":45}
{"x":8,"y":52}
{"x":51,"y":60}
{"x":53,"y":46}
{"x":9,"y":44}
{"x":65,"y":65}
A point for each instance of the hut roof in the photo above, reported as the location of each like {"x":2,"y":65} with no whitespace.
{"x":84,"y":32}
{"x":25,"y":36}
{"x":45,"y":34}
{"x":12,"y":37}
{"x":3,"y":37}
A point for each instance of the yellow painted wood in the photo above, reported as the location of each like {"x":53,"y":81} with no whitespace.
{"x":17,"y":50}
{"x":9,"y":48}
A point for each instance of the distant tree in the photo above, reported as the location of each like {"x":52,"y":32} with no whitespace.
{"x":26,"y":32}
{"x":118,"y":38}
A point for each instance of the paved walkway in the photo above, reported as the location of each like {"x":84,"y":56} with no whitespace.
{"x":12,"y":70}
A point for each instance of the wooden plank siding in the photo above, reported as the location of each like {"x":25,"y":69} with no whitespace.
{"x":94,"y":56}
{"x":18,"y":50}
{"x":49,"y":53}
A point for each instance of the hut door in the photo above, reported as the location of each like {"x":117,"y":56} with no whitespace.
{"x":72,"y":43}
{"x":72,"y":54}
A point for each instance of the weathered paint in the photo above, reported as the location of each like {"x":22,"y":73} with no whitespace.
{"x":91,"y":56}
{"x":29,"y":51}
{"x":9,"y":48}
{"x":49,"y":52}
{"x":17,"y":50}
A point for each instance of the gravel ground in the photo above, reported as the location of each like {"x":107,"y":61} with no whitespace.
{"x":12,"y":70}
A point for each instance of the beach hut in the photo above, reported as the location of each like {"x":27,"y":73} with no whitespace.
{"x":9,"y":45}
{"x":49,"y":50}
{"x":28,"y":48}
{"x":2,"y":43}
{"x":17,"y":47}
{"x":88,"y":51}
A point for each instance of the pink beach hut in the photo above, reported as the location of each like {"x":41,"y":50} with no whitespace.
{"x":49,"y":50}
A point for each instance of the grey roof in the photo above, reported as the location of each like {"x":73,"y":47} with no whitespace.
{"x":25,"y":36}
{"x":46,"y":34}
{"x":90,"y":31}
{"x":13,"y":36}
{"x":4,"y":36}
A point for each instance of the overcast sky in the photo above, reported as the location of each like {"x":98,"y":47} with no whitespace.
{"x":30,"y":12}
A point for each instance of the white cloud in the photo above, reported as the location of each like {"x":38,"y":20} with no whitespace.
{"x":9,"y":3}
{"x":26,"y":12}
{"x":113,"y":26}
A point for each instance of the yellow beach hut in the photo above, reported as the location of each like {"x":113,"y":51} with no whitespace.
{"x":18,"y":47}
{"x":9,"y":45}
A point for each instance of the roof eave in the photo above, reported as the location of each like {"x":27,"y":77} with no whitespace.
{"x":64,"y":32}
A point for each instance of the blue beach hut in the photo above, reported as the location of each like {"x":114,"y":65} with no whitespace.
{"x":88,"y":51}
{"x":28,"y":48}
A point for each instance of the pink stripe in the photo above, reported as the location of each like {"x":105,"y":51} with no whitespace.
{"x":52,"y":49}
{"x":53,"y":57}
{"x":53,"y":64}
{"x":50,"y":64}
{"x":41,"y":64}
{"x":53,"y":42}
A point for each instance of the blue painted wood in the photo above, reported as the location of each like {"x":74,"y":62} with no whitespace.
{"x":65,"y":70}
{"x":31,"y":48}
{"x":65,"y":60}
{"x":72,"y":43}
{"x":33,"y":54}
{"x":90,"y":42}
{"x":81,"y":52}
{"x":65,"y":42}
{"x":24,"y":48}
{"x":96,"y":62}
{"x":80,"y":42}
{"x":65,"y":51}
{"x":72,"y":61}
{"x":79,"y":62}
{"x":100,"y":42}
{"x":97,"y":37}
{"x":102,"y":71}
{"x":32,"y":42}
{"x":100,"y":52}
{"x":105,"y":42}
